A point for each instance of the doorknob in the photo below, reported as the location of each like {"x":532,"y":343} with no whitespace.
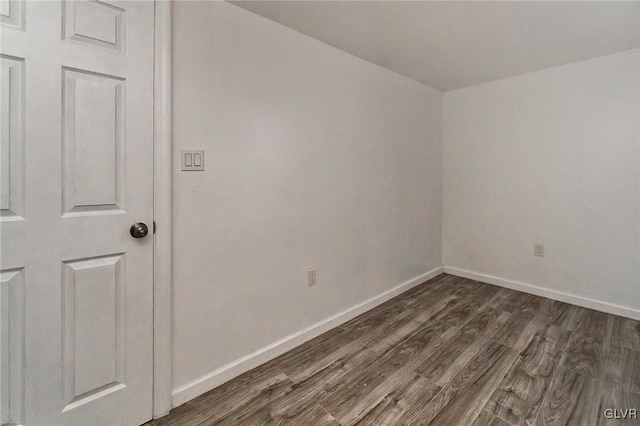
{"x":139,"y":230}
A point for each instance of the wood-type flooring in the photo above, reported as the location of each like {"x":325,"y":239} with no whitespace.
{"x":449,"y":352}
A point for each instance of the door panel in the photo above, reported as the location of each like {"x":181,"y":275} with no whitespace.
{"x":93,"y":142}
{"x":11,"y":344}
{"x":12,"y":13}
{"x":94,"y":319}
{"x":12,"y":163}
{"x":75,"y":172}
{"x":95,"y":23}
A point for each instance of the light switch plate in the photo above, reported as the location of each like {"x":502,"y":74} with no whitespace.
{"x":192,"y":160}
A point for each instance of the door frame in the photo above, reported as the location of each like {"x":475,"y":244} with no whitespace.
{"x":162,"y":190}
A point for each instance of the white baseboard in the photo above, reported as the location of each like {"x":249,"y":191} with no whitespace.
{"x":215,"y":378}
{"x":548,"y":293}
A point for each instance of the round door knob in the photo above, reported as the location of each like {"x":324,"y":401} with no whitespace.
{"x":139,"y":230}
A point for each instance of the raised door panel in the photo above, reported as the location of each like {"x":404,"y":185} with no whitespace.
{"x":93,"y":145}
{"x":96,"y":23}
{"x":11,"y":138}
{"x":12,"y":13}
{"x":11,"y":345}
{"x":94,"y":320}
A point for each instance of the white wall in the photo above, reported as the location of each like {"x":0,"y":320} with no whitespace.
{"x":314,"y":158}
{"x":550,"y":157}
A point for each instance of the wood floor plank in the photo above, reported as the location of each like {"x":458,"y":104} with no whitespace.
{"x":301,"y":399}
{"x":558,"y":314}
{"x":586,"y":354}
{"x":368,"y":321}
{"x":183,"y":415}
{"x":348,"y":338}
{"x":517,"y":331}
{"x":594,"y":323}
{"x":522,"y":325}
{"x":626,"y":333}
{"x":618,"y":364}
{"x":422,"y":294}
{"x":382,"y":340}
{"x":300,"y":372}
{"x":235,"y":393}
{"x":459,"y":313}
{"x":316,"y":416}
{"x":314,"y":389}
{"x":622,"y":366}
{"x":303,"y":362}
{"x":440,"y":309}
{"x":254,"y":401}
{"x":520,"y":394}
{"x":461,"y":400}
{"x":633,"y":373}
{"x":506,"y":300}
{"x":380,"y":333}
{"x":532,"y":305}
{"x":362,"y":391}
{"x":573,"y":399}
{"x":484,"y":322}
{"x":487,"y":419}
{"x":463,"y":310}
{"x":309,"y":352}
{"x":441,"y":365}
{"x":620,"y":399}
{"x":311,"y":414}
{"x":460,"y":287}
{"x":404,"y":401}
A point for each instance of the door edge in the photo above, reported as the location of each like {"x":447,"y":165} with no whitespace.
{"x":162,"y":190}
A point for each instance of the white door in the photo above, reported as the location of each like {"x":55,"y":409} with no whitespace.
{"x":76,"y":172}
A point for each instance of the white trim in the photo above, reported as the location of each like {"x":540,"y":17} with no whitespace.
{"x":585,"y":302}
{"x":162,"y":350}
{"x":227,"y":372}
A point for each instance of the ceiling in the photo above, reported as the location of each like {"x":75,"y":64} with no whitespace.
{"x":453,"y":44}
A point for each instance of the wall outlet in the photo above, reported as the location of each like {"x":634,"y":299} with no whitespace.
{"x":538,"y":250}
{"x":311,"y":277}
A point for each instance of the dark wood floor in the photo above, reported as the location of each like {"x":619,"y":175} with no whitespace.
{"x":449,"y":352}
